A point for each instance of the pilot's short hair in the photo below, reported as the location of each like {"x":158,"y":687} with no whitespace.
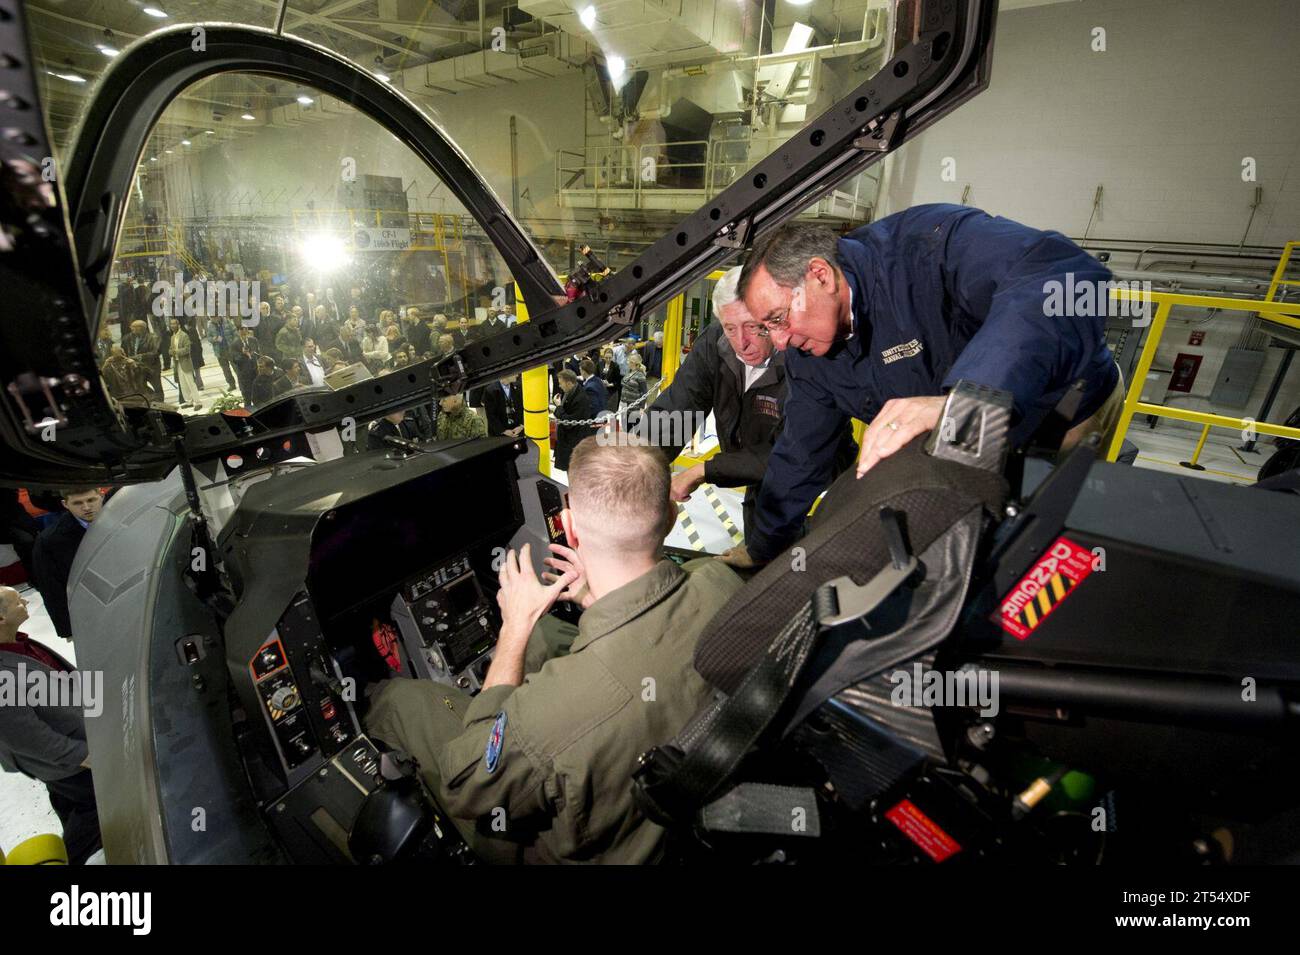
{"x":787,"y":252}
{"x":625,"y":487}
{"x":588,"y":366}
{"x":566,"y":376}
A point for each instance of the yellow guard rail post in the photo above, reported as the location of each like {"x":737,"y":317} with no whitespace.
{"x":536,"y":401}
{"x":1283,"y":313}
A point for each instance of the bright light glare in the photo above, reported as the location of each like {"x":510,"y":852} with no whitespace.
{"x":70,"y":77}
{"x":108,"y":50}
{"x":305,"y":100}
{"x":155,"y":12}
{"x":248,"y":116}
{"x":588,"y":17}
{"x":324,"y":253}
{"x":185,"y":142}
{"x":617,"y":67}
{"x":383,"y":77}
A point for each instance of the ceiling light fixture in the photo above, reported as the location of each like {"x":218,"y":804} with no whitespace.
{"x":248,"y":116}
{"x":305,"y":100}
{"x":588,"y":17}
{"x":155,"y":13}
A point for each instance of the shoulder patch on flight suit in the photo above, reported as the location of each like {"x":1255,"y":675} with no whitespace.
{"x":496,"y":740}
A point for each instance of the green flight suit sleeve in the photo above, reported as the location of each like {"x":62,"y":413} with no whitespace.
{"x":543,"y":717}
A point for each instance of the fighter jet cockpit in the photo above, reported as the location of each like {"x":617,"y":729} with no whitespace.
{"x":261,"y":297}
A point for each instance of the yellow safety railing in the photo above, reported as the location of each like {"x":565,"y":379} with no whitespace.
{"x":1283,"y":313}
{"x":1278,"y":273}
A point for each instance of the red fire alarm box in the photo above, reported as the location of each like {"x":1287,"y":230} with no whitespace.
{"x":1185,"y":369}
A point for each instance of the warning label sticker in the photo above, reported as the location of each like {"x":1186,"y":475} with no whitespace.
{"x":922,"y":830}
{"x":1045,"y":587}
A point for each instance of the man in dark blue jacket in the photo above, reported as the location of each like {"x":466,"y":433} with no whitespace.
{"x":879,"y":324}
{"x":594,"y":387}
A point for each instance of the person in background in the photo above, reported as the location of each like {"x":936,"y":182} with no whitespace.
{"x":357,"y":323}
{"x":246,"y":351}
{"x":267,"y":328}
{"x":503,"y":402}
{"x":595,"y":387}
{"x":18,"y":529}
{"x":313,"y":367}
{"x":47,"y":741}
{"x":654,"y":357}
{"x":494,"y":323}
{"x":620,"y":352}
{"x":224,"y":333}
{"x":395,"y":339}
{"x":326,"y":332}
{"x":394,"y":425}
{"x":183,"y":367}
{"x":143,"y":347}
{"x":457,"y":420}
{"x":463,"y":335}
{"x":289,"y":342}
{"x":269,"y":383}
{"x":416,"y":331}
{"x":572,"y":404}
{"x":104,"y":343}
{"x":350,"y":350}
{"x":634,"y":385}
{"x":123,"y":377}
{"x":374,"y":349}
{"x":191,"y":326}
{"x":56,"y":548}
{"x":611,"y":373}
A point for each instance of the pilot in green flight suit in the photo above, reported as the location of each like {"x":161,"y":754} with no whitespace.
{"x":538,"y":767}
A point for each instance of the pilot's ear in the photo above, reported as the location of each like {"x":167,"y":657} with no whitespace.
{"x":566,"y":521}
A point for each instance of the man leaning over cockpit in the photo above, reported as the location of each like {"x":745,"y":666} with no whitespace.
{"x":538,"y":766}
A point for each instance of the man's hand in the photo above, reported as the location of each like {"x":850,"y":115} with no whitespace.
{"x":567,"y":562}
{"x":515,"y":431}
{"x":737,"y":557}
{"x":899,"y":421}
{"x":523,"y":598}
{"x":685,"y":482}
